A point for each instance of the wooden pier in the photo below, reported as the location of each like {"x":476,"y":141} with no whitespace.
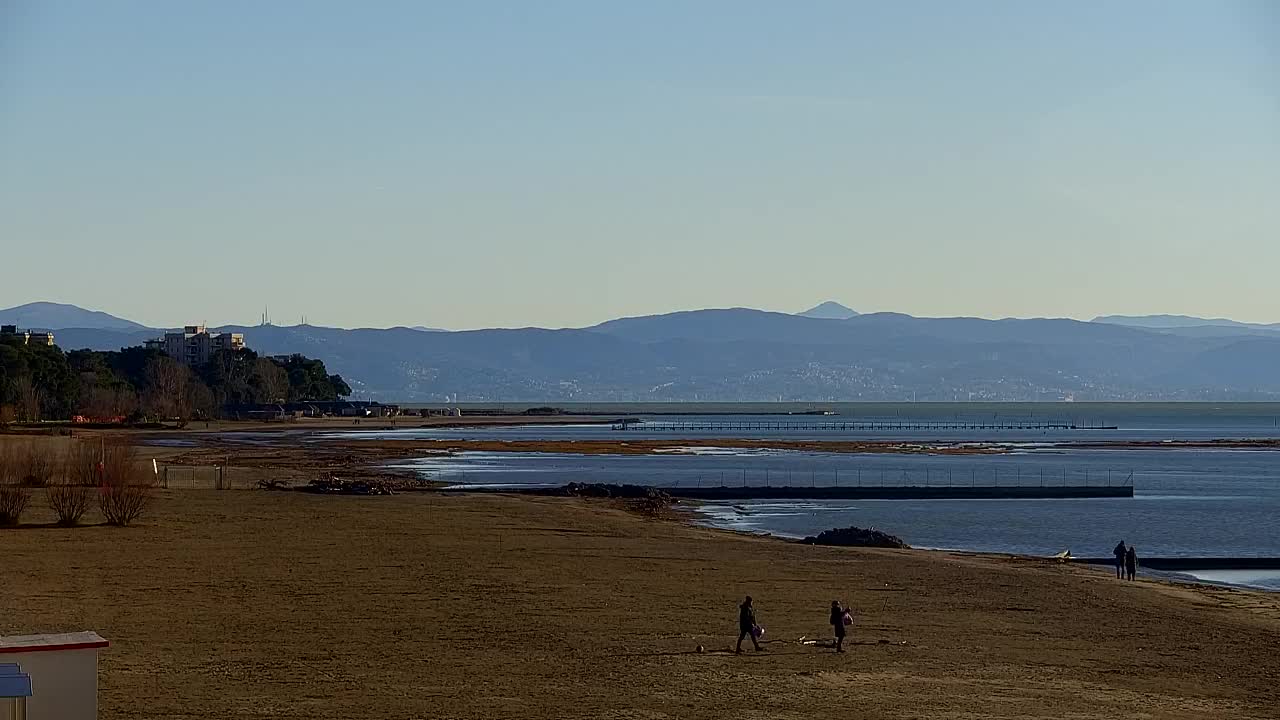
{"x":851,"y":426}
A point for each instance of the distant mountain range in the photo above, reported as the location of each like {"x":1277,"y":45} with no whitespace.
{"x":1189,"y":325}
{"x":752,"y":355}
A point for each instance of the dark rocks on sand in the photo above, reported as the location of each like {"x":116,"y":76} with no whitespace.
{"x":338,"y":486}
{"x":856,"y":537}
{"x":605,"y":490}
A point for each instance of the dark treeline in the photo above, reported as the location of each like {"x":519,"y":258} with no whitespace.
{"x":40,"y":382}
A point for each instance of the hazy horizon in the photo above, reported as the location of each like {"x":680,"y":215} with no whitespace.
{"x":504,"y":165}
{"x":444,"y":325}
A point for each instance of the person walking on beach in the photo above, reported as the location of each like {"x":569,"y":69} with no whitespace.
{"x":1131,"y":562}
{"x":1120,"y":554}
{"x":747,"y":624}
{"x":838,"y":615}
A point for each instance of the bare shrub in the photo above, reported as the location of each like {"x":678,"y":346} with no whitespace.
{"x":124,"y":492}
{"x":13,"y":496}
{"x":69,"y":502}
{"x":13,"y":502}
{"x":81,"y":466}
{"x":37,"y":465}
{"x":69,"y":496}
{"x":8,"y":465}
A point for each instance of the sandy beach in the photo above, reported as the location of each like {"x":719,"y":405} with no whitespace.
{"x":286,"y":605}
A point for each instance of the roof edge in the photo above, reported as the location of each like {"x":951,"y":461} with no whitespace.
{"x":90,"y":645}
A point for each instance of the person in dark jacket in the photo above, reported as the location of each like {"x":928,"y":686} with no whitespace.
{"x":1131,"y":562}
{"x":837,"y":623}
{"x":746,"y":624}
{"x":1119,"y":552}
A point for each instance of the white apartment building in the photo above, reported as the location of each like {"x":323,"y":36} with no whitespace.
{"x":195,"y":345}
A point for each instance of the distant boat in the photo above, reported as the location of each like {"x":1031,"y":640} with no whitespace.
{"x":815,"y":412}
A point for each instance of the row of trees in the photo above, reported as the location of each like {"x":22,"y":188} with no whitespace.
{"x":39,"y":382}
{"x":71,"y":478}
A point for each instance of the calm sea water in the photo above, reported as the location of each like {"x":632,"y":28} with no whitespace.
{"x":1188,"y":502}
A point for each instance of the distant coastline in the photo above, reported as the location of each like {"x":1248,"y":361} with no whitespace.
{"x":1099,"y":411}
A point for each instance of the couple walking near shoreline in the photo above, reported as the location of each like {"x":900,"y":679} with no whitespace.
{"x":748,"y":628}
{"x":1126,"y":561}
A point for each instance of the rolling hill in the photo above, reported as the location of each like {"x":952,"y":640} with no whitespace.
{"x":52,"y":316}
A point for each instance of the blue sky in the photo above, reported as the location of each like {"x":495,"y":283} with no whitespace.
{"x":560,"y":163}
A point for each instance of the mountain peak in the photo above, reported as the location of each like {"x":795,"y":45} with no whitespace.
{"x":829,"y":310}
{"x":57,"y":316}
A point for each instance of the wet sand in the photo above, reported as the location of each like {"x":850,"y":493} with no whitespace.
{"x":285,"y":605}
{"x":649,"y":447}
{"x":301,"y":457}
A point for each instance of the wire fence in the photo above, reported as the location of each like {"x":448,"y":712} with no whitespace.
{"x":204,"y":477}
